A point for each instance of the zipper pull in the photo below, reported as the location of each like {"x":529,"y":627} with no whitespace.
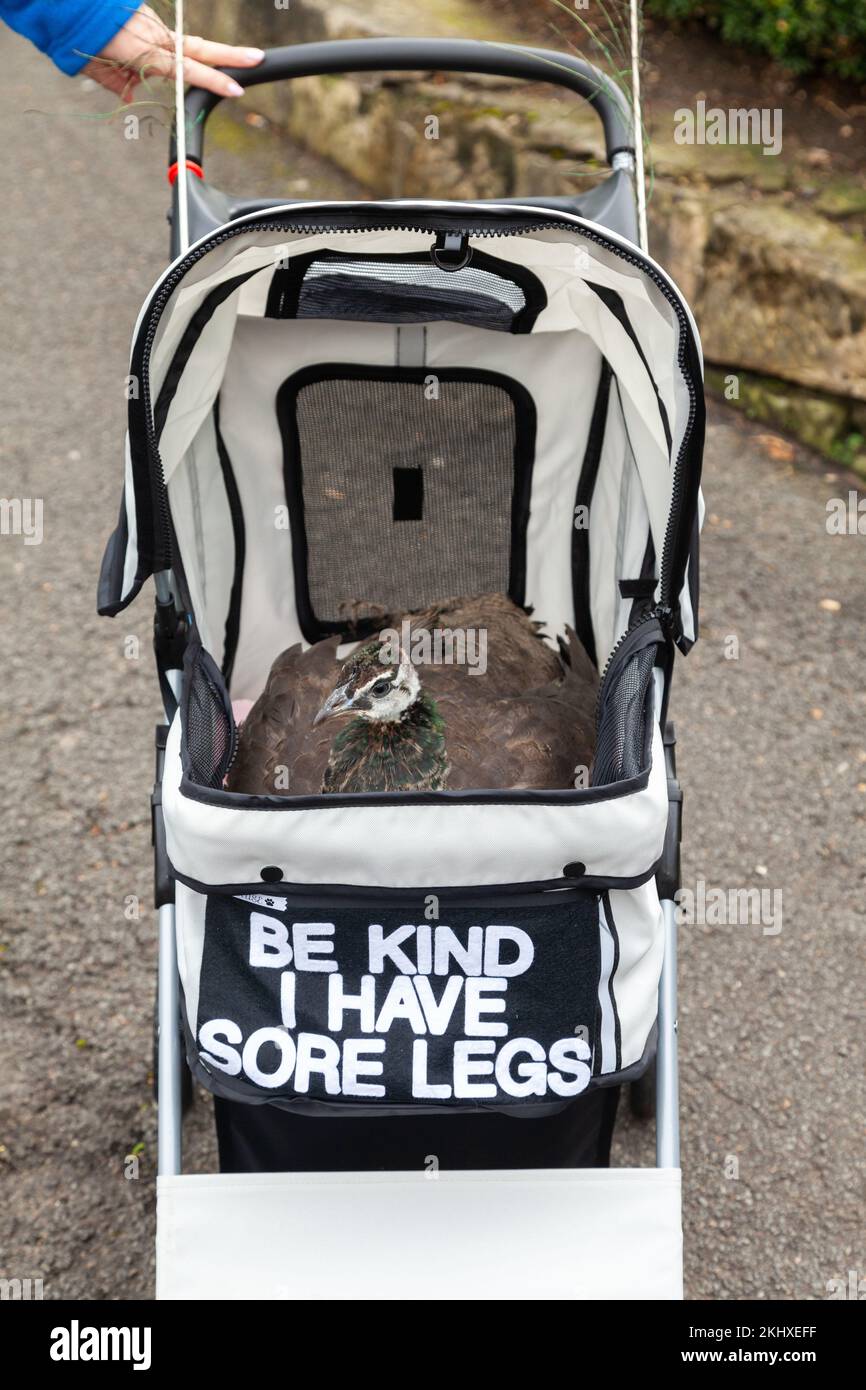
{"x":665,"y":615}
{"x":451,"y":251}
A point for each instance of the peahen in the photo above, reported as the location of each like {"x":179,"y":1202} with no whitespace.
{"x":526,"y":722}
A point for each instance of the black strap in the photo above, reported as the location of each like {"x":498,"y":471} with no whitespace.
{"x":638,"y":588}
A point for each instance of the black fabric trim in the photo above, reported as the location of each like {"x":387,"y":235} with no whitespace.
{"x":583,"y":498}
{"x":592,"y":883}
{"x":525,"y":421}
{"x":642,"y":602}
{"x":638,"y":588}
{"x":542,"y":893}
{"x":693,"y":564}
{"x":648,"y":730}
{"x":109,"y":593}
{"x":144,"y":486}
{"x":193,"y":331}
{"x":614,"y":931}
{"x":578,"y":796}
{"x":614,"y":303}
{"x":284,"y":295}
{"x":178,"y":572}
{"x":233,"y":617}
{"x":690,"y":474}
{"x":111,"y":610}
{"x":642,"y":590}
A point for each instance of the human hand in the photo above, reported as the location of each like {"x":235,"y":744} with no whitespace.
{"x":144,"y":47}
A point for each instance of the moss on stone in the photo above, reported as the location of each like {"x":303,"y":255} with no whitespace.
{"x":718,"y":165}
{"x":842,"y":198}
{"x":828,"y":424}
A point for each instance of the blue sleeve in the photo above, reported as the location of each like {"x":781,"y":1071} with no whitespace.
{"x":71,"y":32}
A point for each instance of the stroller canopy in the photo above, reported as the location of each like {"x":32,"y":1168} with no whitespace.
{"x":389,"y":403}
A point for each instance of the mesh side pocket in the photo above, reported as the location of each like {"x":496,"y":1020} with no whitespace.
{"x":621,"y":751}
{"x":208,"y":726}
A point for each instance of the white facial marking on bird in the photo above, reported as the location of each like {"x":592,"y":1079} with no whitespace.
{"x":388,"y":697}
{"x":380,"y":693}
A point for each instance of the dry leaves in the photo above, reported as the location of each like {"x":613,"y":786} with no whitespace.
{"x":782,"y":450}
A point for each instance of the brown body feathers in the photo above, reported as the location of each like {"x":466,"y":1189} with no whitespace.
{"x":527,"y":722}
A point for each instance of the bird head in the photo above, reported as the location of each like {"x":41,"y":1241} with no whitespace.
{"x":372,"y":689}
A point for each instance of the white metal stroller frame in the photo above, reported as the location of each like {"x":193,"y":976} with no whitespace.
{"x":209,"y":1226}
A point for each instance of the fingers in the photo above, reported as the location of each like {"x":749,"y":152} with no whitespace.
{"x":159,"y":62}
{"x":144,"y":47}
{"x":221,"y":55}
{"x":211,"y":79}
{"x":199,"y":54}
{"x":202,"y":57}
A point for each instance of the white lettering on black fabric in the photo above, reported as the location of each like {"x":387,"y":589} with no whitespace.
{"x":412,"y":1012}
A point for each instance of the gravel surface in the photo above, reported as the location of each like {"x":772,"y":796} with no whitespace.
{"x":772,"y":757}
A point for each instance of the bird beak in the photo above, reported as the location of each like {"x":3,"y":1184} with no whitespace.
{"x":337,"y":703}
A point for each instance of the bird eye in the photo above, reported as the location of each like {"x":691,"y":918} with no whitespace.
{"x":380,"y":688}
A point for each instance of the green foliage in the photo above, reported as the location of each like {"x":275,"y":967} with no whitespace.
{"x":804,"y":35}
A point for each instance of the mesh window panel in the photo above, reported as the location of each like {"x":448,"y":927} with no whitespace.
{"x":619,"y":752}
{"x":392,"y":292}
{"x":207,"y":729}
{"x":351,"y":445}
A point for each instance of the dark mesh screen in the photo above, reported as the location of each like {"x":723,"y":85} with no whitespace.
{"x":401,"y":292}
{"x":208,"y":733}
{"x":620,"y":749}
{"x":376,"y":534}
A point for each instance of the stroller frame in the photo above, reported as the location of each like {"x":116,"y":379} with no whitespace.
{"x":611,"y":204}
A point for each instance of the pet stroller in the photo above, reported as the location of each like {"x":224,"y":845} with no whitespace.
{"x":399,"y":401}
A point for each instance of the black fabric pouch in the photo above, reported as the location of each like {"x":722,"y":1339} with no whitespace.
{"x":367,"y":1007}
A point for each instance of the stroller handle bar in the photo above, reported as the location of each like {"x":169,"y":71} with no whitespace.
{"x":441,"y":55}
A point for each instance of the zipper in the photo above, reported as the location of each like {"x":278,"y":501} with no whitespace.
{"x":539,"y":893}
{"x":234,"y":743}
{"x":168,"y":286}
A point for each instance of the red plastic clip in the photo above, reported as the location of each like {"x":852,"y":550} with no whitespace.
{"x":190,"y":164}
